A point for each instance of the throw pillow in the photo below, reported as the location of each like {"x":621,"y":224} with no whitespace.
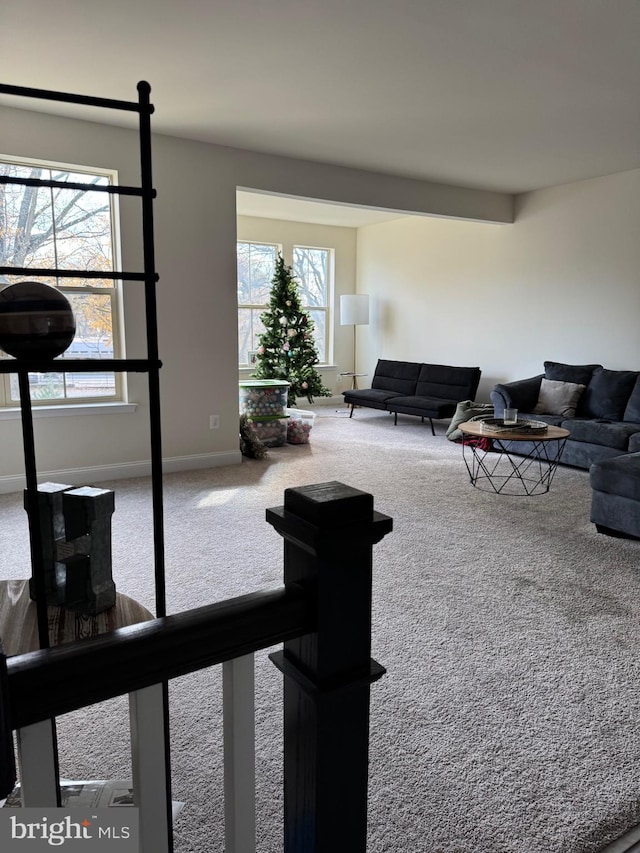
{"x":558,"y":398}
{"x":609,"y":392}
{"x":632,"y":412}
{"x":580,"y":374}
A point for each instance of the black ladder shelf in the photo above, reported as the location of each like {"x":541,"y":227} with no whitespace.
{"x":150,"y":365}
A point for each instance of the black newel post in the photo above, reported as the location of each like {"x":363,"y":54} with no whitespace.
{"x":329,"y":531}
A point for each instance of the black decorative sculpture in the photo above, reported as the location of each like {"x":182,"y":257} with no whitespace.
{"x":75,"y":532}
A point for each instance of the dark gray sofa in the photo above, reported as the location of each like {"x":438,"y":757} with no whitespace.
{"x":606,"y":423}
{"x":415,"y":388}
{"x":615,"y":496}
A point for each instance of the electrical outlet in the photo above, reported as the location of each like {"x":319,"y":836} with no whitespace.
{"x":214,"y":421}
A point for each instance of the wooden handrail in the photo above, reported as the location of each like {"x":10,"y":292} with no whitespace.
{"x":54,"y":681}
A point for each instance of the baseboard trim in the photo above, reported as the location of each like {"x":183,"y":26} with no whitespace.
{"x":124,"y":470}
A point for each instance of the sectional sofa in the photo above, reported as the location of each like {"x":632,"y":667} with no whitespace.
{"x":416,"y":388}
{"x":599,"y":407}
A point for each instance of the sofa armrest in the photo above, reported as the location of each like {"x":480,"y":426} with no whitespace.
{"x":521,"y":394}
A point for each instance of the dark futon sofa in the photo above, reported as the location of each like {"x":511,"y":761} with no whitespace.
{"x":413,"y":388}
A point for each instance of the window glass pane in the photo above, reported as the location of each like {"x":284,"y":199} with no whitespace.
{"x":244,"y":274}
{"x":244,"y":334}
{"x":94,"y":326}
{"x":319,"y":333}
{"x":311,"y":267}
{"x":43,"y":387}
{"x":263,"y":259}
{"x":256,"y":265}
{"x":91,"y":384}
{"x":26,"y":220}
{"x":257,"y":326}
{"x":50,"y":387}
{"x":83,"y":230}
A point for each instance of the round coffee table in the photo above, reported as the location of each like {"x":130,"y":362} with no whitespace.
{"x":497,"y":464}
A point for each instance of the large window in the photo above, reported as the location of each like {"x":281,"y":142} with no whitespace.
{"x":58,"y":228}
{"x":256,"y":263}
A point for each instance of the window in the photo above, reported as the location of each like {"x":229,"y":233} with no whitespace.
{"x":256,"y":265}
{"x":311,"y":269}
{"x":58,"y":228}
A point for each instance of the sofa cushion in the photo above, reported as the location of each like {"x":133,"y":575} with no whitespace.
{"x":428,"y":407}
{"x":578,"y":373}
{"x":618,"y":476}
{"x":398,"y":376}
{"x":374,"y":397}
{"x":558,"y":398}
{"x":608,"y":393}
{"x":632,"y":410}
{"x":447,"y":383}
{"x":596,"y":431}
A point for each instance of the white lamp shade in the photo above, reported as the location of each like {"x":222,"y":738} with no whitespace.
{"x":354,"y":309}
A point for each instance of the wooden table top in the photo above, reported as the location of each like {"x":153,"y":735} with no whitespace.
{"x":19,"y":622}
{"x":475,"y":429}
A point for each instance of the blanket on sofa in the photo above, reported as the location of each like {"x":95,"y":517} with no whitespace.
{"x":467,"y":410}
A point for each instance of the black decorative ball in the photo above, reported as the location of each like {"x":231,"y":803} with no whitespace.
{"x":36,"y":320}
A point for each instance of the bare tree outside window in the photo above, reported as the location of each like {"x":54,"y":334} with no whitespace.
{"x":45,"y":228}
{"x":256,"y":266}
{"x":311,"y":268}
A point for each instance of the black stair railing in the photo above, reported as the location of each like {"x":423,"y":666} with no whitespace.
{"x":322,"y":614}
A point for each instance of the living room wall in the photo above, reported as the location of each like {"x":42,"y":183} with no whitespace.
{"x":195,"y":228}
{"x":561,"y":283}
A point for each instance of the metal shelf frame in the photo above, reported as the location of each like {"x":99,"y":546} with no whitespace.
{"x":151,"y":365}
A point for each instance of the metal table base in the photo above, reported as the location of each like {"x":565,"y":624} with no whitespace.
{"x":502,"y":471}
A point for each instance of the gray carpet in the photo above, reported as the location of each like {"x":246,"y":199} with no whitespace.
{"x":508,"y":720}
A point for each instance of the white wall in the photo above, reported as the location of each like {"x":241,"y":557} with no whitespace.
{"x":344,"y":242}
{"x":562,"y":283}
{"x":195,"y":229}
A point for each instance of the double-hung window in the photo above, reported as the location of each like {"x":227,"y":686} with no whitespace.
{"x":58,"y":228}
{"x":256,"y":265}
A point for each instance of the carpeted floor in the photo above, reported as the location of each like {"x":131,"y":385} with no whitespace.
{"x":508,"y":720}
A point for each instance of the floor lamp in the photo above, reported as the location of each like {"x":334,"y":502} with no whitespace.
{"x":354,"y":311}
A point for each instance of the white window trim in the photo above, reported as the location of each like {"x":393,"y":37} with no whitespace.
{"x":71,"y":409}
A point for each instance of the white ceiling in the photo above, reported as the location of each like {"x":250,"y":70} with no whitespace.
{"x":509,"y":95}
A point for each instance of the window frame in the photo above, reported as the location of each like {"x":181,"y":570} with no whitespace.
{"x":327,"y":308}
{"x":114,"y":291}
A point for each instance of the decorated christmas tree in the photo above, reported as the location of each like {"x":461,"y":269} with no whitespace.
{"x":286,"y":349}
